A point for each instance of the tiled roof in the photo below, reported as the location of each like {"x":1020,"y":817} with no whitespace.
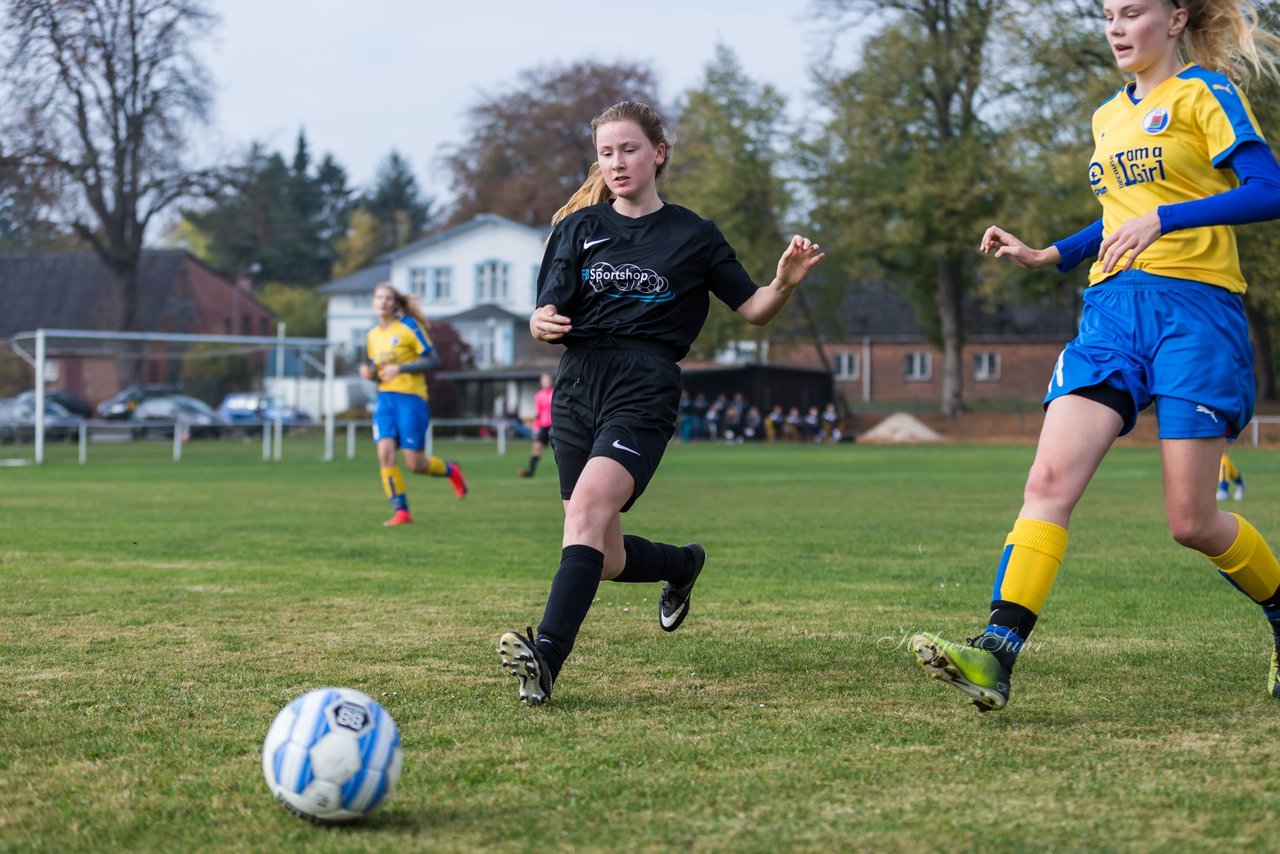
{"x":71,"y":290}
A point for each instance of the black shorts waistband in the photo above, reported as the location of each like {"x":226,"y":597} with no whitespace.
{"x":626,"y":345}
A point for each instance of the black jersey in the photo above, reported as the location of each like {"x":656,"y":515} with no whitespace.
{"x":645,"y":277}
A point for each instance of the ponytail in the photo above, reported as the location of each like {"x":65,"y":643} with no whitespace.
{"x":592,"y":192}
{"x":1225,"y":36}
{"x":409,"y":308}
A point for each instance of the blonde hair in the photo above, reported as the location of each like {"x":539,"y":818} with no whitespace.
{"x":407,"y":306}
{"x":594,"y":190}
{"x":1224,"y":35}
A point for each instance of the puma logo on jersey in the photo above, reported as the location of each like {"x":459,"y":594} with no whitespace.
{"x":596,"y":242}
{"x":1207,"y":411}
{"x":1227,"y":88}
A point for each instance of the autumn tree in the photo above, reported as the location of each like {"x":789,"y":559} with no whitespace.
{"x":723,"y":166}
{"x":901,"y":172}
{"x":529,"y":147}
{"x":102,"y":94}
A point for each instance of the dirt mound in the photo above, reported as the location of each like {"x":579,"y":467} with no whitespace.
{"x":900,"y":428}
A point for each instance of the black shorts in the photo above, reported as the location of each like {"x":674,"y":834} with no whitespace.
{"x":619,"y":401}
{"x":542,"y":435}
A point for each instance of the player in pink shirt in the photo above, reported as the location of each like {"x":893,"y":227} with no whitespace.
{"x":541,"y":425}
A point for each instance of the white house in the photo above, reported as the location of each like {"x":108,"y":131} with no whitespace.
{"x":480,"y":276}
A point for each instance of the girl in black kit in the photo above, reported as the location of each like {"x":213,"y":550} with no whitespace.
{"x":625,"y":286}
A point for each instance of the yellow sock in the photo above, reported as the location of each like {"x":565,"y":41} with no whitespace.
{"x":1249,"y":564}
{"x":1032,"y":554}
{"x":392,"y":482}
{"x":435,"y":466}
{"x":1227,"y":470}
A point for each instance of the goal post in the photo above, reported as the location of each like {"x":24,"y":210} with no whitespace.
{"x":37,"y":347}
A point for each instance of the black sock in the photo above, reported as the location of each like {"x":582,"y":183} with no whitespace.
{"x":533,"y":465}
{"x":649,"y":561}
{"x":1016,"y":623}
{"x":1271,"y":608}
{"x":572,"y":591}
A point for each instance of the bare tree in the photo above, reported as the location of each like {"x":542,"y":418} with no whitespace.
{"x":103,"y":94}
{"x":530,"y":147}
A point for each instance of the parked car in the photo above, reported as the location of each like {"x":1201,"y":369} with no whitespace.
{"x":250,"y":410}
{"x":121,"y":405}
{"x":75,"y":405}
{"x":18,"y":421}
{"x":156,"y":416}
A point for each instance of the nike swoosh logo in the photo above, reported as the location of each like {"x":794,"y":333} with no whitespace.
{"x":622,"y":447}
{"x":667,"y":621}
{"x":595,"y":242}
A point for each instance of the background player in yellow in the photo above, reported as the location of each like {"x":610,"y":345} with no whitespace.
{"x":1178,"y":161}
{"x":400,"y":354}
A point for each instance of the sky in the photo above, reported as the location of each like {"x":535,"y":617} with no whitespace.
{"x":364,"y":78}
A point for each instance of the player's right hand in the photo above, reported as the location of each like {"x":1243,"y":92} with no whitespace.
{"x":545,"y":324}
{"x":1005,"y":245}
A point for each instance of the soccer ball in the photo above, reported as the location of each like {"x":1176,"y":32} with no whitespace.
{"x":332,"y":755}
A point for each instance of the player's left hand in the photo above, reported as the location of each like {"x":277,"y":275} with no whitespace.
{"x":388,"y":372}
{"x":800,"y":256}
{"x":1133,"y":236}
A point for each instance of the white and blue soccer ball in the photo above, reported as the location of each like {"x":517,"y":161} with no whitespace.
{"x":332,"y":755}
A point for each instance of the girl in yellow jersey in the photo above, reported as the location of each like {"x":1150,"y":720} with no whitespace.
{"x":400,"y":354}
{"x":1178,"y":161}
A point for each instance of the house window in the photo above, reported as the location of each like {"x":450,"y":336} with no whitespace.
{"x":418,"y":282}
{"x":441,"y":289}
{"x":846,"y":366}
{"x":986,"y":366}
{"x":492,"y":280}
{"x":919,"y":365}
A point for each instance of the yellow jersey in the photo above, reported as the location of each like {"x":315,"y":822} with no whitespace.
{"x":1167,"y":148}
{"x":399,"y":342}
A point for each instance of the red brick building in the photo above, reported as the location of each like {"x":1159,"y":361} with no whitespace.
{"x":884,"y":356}
{"x":177,"y":294}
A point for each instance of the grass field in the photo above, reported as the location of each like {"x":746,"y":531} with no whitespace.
{"x":156,"y":616}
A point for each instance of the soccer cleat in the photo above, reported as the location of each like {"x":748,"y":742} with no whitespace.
{"x":401,"y":517}
{"x":525,"y":473}
{"x":521,"y":658}
{"x":1238,"y":491}
{"x":459,"y":482}
{"x":673,"y":604}
{"x":1224,"y":491}
{"x":1273,"y":681}
{"x":976,"y":672}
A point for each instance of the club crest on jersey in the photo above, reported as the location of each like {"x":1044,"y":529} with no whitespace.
{"x":1156,"y":121}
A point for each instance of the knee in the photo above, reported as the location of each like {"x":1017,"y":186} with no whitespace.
{"x":1045,"y":482}
{"x":581,"y":520}
{"x":1192,"y":531}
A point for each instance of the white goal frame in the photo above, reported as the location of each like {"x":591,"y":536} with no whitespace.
{"x":41,"y":338}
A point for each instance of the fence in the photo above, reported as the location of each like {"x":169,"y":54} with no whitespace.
{"x":273,"y":433}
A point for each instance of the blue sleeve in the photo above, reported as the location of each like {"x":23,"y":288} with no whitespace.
{"x":1257,"y":199}
{"x":417,"y":332}
{"x":1079,"y":246}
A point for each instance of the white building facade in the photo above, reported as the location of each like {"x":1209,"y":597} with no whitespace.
{"x":480,"y":276}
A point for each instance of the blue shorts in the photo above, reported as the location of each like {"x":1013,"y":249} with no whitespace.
{"x":403,"y":417}
{"x":1182,"y":344}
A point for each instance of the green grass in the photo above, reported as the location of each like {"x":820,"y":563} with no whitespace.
{"x":155,"y":617}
